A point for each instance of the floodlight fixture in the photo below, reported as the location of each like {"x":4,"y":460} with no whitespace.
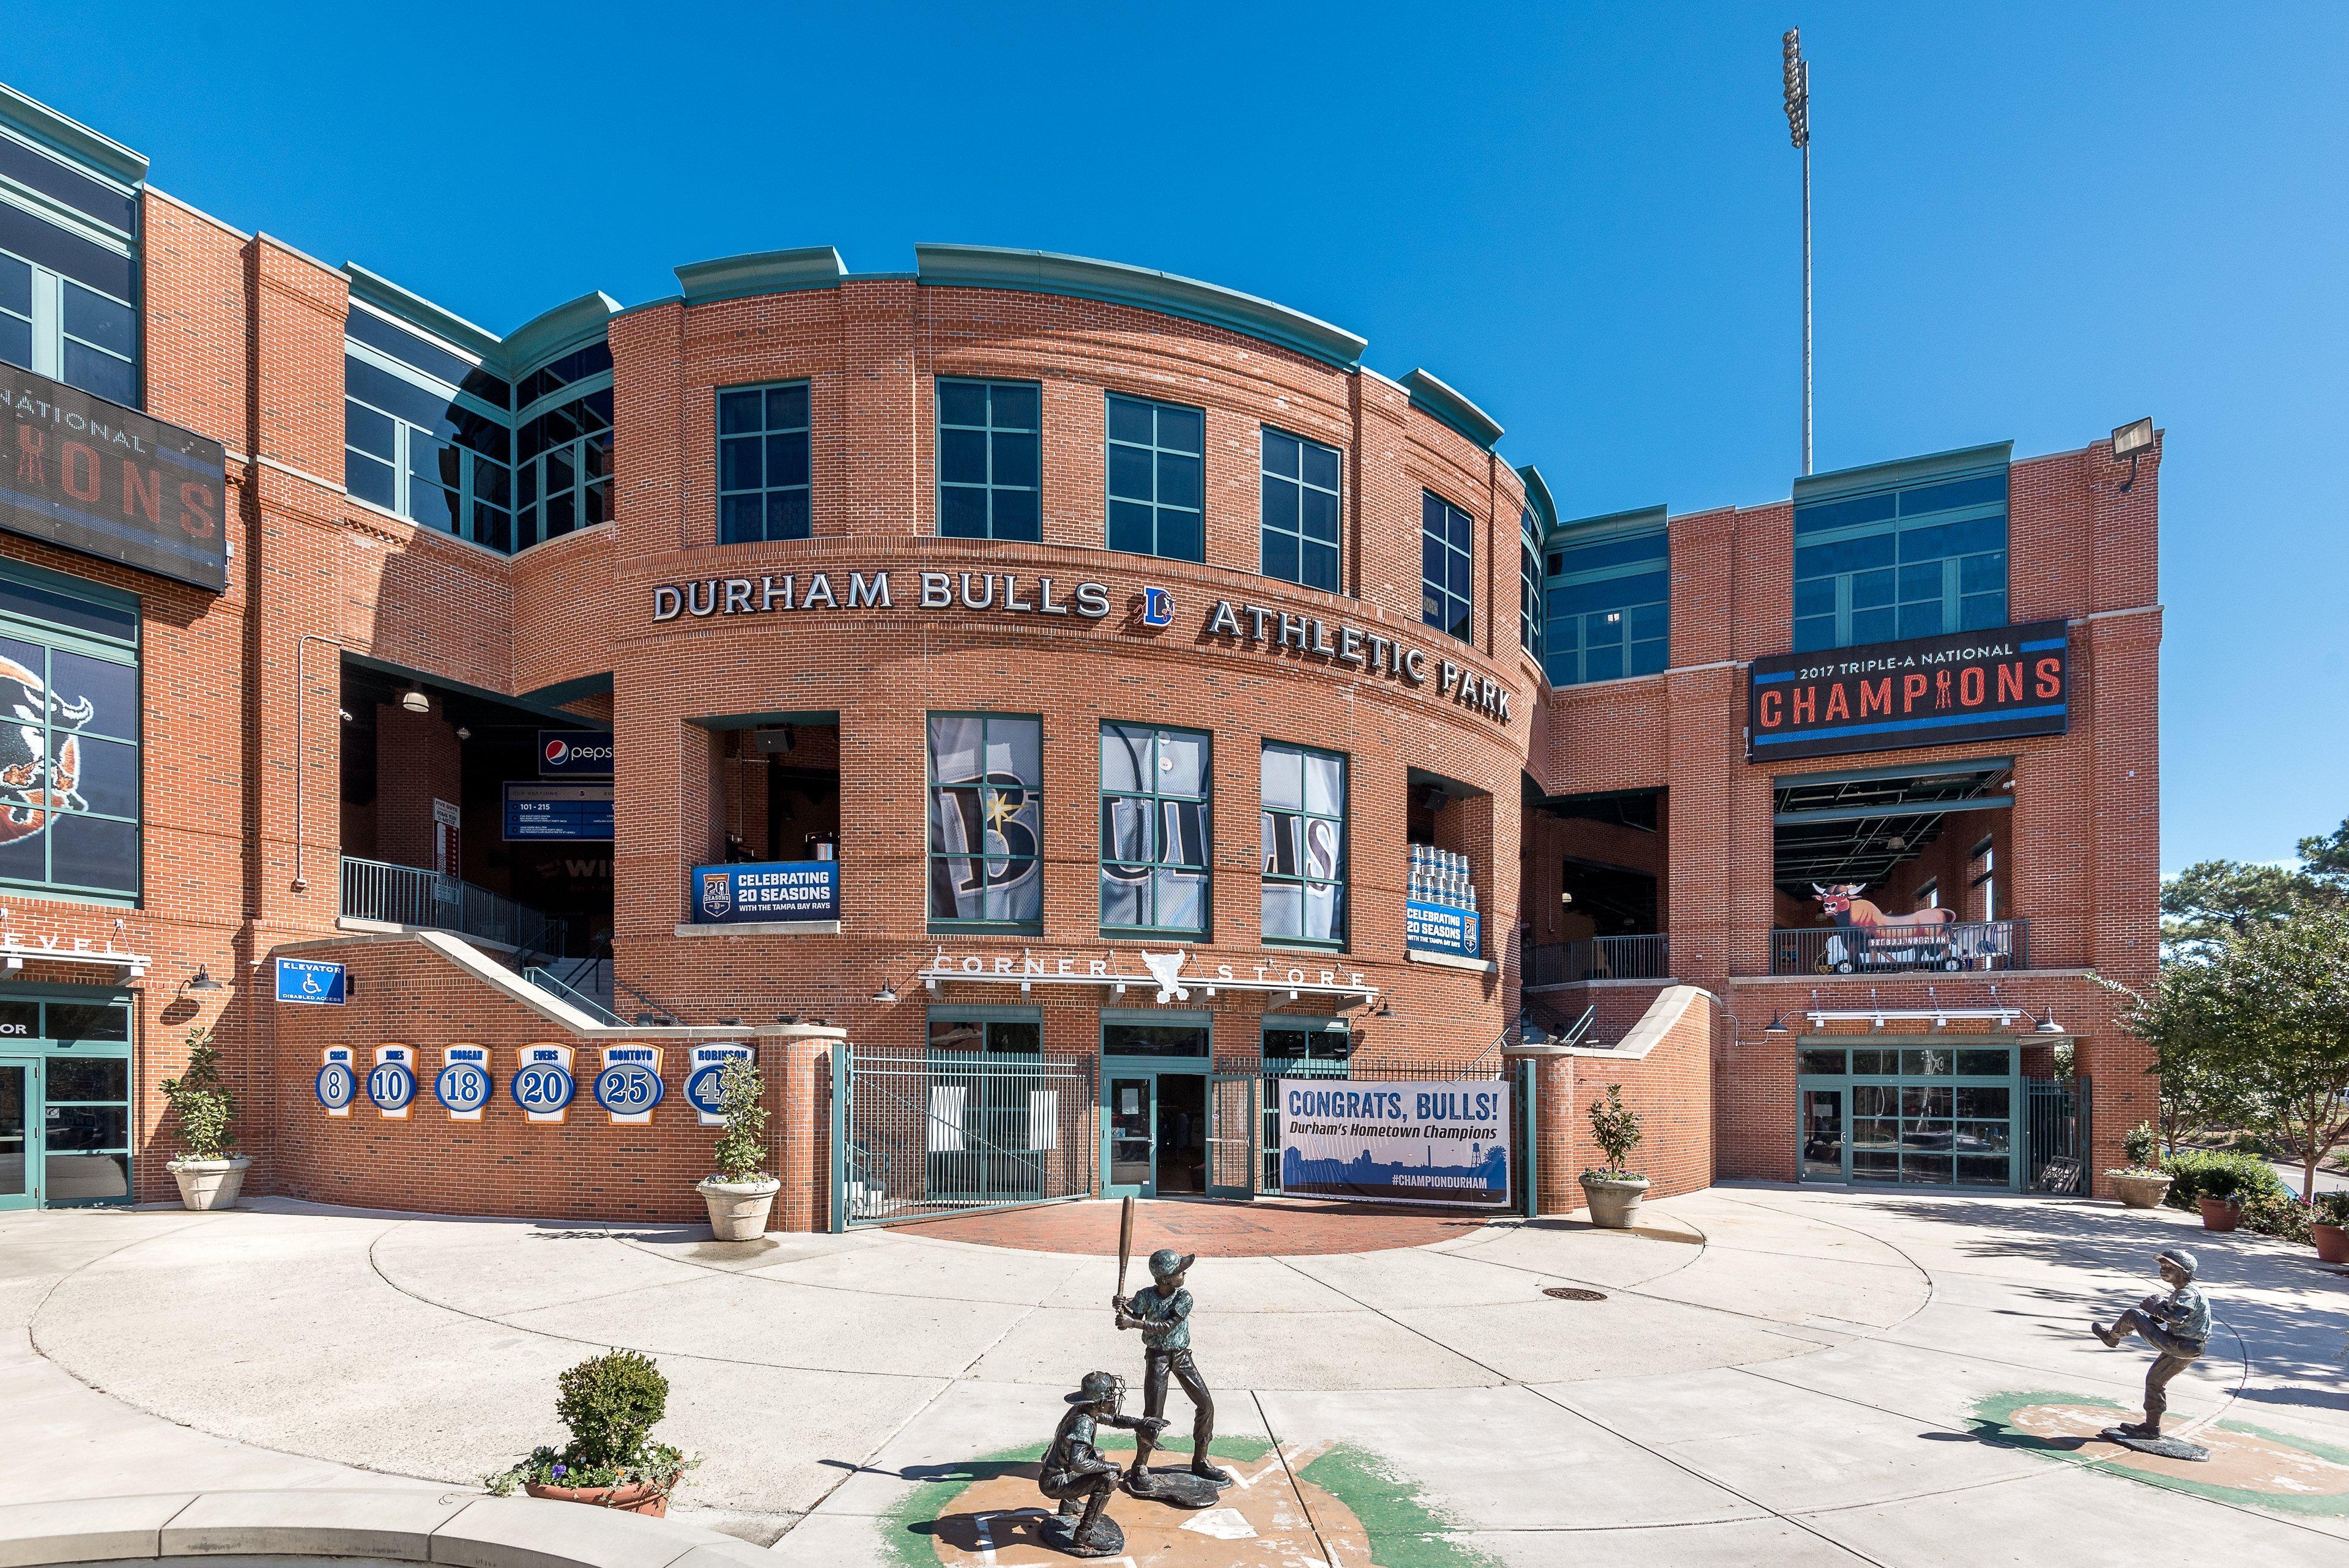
{"x":2132,"y":441}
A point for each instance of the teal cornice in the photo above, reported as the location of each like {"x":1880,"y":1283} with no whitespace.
{"x":1903,"y":471}
{"x":1538,"y":496}
{"x":558,"y":331}
{"x":760,"y":272}
{"x":1639,"y":520}
{"x":1113,"y":283}
{"x":98,"y":154}
{"x":1447,"y":407}
{"x":418,"y":311}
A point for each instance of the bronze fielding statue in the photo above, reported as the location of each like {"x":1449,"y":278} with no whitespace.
{"x":1162,"y":1314}
{"x":2178,"y":1327}
{"x":1076,"y":1476}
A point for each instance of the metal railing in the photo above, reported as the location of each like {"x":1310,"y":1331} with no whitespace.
{"x":1949,"y":946}
{"x":412,"y":896}
{"x":948,"y":1132}
{"x":554,"y":985}
{"x":1646,"y":956}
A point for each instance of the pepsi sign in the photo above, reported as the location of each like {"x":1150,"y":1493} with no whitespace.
{"x":575,"y":753}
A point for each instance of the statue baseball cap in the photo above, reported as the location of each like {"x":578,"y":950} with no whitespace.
{"x":1167,"y":1262}
{"x":2179,"y":1256}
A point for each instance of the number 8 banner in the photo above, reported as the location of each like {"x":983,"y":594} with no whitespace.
{"x":631,"y":1085}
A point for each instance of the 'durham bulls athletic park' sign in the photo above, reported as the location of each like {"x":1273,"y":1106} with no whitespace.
{"x":93,"y":476}
{"x":1923,"y":692}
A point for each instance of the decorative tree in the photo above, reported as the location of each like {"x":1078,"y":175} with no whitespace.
{"x":2180,"y":1019}
{"x":2284,"y":1029}
{"x":201,"y":1103}
{"x":1615,"y":1129}
{"x":741,"y":1151}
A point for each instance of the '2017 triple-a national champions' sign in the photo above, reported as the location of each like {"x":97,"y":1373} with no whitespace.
{"x":1920,"y":691}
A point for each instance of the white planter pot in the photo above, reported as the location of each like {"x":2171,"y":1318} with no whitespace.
{"x":739,"y":1209}
{"x":2139,"y":1189}
{"x":209,"y":1183}
{"x":1614,"y":1200}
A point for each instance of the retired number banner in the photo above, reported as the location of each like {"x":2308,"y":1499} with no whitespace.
{"x":1432,"y":1141}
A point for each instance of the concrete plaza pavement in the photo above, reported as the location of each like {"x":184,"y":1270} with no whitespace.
{"x":1772,"y":1375}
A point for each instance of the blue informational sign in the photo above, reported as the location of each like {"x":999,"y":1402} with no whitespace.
{"x":391,"y":1085}
{"x":544,"y":1088}
{"x":560,"y":813}
{"x":462,"y":1088}
{"x":575,"y":753}
{"x":300,"y":979}
{"x":1441,"y":928}
{"x":766,"y":891}
{"x":628,"y":1088}
{"x":336,"y":1086}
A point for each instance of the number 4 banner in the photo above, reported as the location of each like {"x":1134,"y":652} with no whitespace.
{"x":630,"y":1085}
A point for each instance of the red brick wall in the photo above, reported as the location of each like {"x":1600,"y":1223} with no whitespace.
{"x":1670,"y":1083}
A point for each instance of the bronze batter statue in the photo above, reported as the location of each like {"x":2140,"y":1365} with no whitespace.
{"x":2178,"y":1327}
{"x":1162,"y":1314}
{"x":1075,"y":1475}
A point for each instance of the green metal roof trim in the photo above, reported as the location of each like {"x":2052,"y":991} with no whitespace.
{"x":1539,"y":497}
{"x":760,"y":272}
{"x":558,"y":331}
{"x":1639,"y":520}
{"x":1448,"y":407}
{"x":1113,"y":283}
{"x":418,"y":311}
{"x":1903,"y":471}
{"x":70,"y":138}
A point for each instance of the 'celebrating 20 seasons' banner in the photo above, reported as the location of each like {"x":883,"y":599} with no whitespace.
{"x":1923,"y":692}
{"x":1439,"y":1141}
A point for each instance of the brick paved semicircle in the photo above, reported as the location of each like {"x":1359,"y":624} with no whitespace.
{"x":1268,"y":1228}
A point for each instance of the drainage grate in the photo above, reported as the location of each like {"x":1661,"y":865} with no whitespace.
{"x":1574,"y":1293}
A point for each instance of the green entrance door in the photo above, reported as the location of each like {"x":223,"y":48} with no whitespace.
{"x":1942,"y":1112}
{"x":1132,"y":1117}
{"x":20,"y":1165}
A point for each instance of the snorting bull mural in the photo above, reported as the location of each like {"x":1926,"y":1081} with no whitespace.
{"x":34,"y":783}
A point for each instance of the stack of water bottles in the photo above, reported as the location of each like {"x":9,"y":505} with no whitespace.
{"x":1440,"y":876}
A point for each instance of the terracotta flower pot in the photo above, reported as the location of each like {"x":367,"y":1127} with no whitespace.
{"x":2138,"y":1189}
{"x":2219,"y":1213}
{"x":1614,"y":1200}
{"x":739,"y":1209}
{"x":207,"y":1184}
{"x":2332,"y":1241}
{"x":636,"y":1497}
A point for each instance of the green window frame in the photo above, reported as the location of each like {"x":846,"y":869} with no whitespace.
{"x":990,"y":475}
{"x":1447,"y":566}
{"x":1157,"y":478}
{"x":1608,"y":604}
{"x":562,"y":446}
{"x":1303,"y":899}
{"x":957,"y":1032}
{"x":73,"y":649}
{"x":1156,"y":848}
{"x":763,"y":481}
{"x":1925,"y":1113}
{"x":68,"y":288}
{"x":985,"y":826}
{"x":1529,"y":586}
{"x":435,"y":453}
{"x":1302,"y":493}
{"x":78,"y":1039}
{"x":1909,"y":561}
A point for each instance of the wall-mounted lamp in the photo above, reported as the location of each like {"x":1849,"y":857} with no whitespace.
{"x":2131,"y":442}
{"x":1385,"y":1009}
{"x":2048,"y":1026}
{"x":887,"y":995}
{"x":202,"y":980}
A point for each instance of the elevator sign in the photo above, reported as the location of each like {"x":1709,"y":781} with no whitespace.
{"x":319,"y":984}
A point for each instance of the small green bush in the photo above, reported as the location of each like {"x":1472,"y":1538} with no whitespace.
{"x":2277,"y":1214}
{"x":2197,"y":1174}
{"x":610,"y":1404}
{"x":2138,"y":1146}
{"x":741,"y":1151}
{"x":201,"y":1104}
{"x":1615,"y":1129}
{"x":2332,"y":1209}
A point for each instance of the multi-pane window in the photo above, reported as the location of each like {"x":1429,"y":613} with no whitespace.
{"x":1157,"y":488}
{"x":1304,"y":803}
{"x":1900,"y":564}
{"x":986,"y":818}
{"x":414,"y":448}
{"x":562,"y":446}
{"x":762,"y":464}
{"x":1447,"y":566}
{"x":1154,"y":785}
{"x":989,"y":472}
{"x":1300,"y":510}
{"x":66,"y":294}
{"x":1530,"y":587}
{"x":1981,"y":880}
{"x":1609,"y":611}
{"x":70,"y":774}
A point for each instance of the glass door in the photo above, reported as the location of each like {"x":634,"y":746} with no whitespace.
{"x":1182,"y":1134}
{"x":1131,"y":1117}
{"x":1823,"y":1141}
{"x":19,"y":1166}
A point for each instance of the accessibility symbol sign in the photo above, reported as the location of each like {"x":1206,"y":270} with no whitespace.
{"x":319,"y":984}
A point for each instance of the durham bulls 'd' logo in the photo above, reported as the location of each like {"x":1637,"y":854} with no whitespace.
{"x":33,"y":785}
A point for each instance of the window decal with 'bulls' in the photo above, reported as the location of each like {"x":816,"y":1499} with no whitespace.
{"x":1920,"y":691}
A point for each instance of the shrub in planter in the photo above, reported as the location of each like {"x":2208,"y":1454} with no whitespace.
{"x":610,"y":1404}
{"x":1614,"y":1192}
{"x":2278,"y":1214}
{"x":2193,"y":1172}
{"x":2329,"y":1227}
{"x":2141,"y":1183}
{"x":209,"y":1171}
{"x":742,"y":1194}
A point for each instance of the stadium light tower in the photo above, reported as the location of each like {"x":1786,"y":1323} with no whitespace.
{"x":1798,"y":127}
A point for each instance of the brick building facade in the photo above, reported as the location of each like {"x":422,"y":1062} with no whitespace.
{"x":1009,"y":591}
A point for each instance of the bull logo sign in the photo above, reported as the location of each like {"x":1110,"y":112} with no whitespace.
{"x":35,"y":784}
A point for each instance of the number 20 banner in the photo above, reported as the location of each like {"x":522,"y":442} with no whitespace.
{"x":542,"y":1084}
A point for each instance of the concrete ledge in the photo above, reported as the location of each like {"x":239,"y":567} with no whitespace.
{"x":764,"y":928}
{"x":462,"y":1529}
{"x":1446,"y":960}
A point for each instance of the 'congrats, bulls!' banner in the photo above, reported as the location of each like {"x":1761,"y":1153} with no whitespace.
{"x":1922,"y":691}
{"x":1431,"y":1141}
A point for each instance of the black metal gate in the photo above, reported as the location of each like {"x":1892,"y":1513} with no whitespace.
{"x":919,"y":1134}
{"x":2056,"y":1137}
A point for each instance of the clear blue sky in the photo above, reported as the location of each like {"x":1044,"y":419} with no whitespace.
{"x":2035,"y":222}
